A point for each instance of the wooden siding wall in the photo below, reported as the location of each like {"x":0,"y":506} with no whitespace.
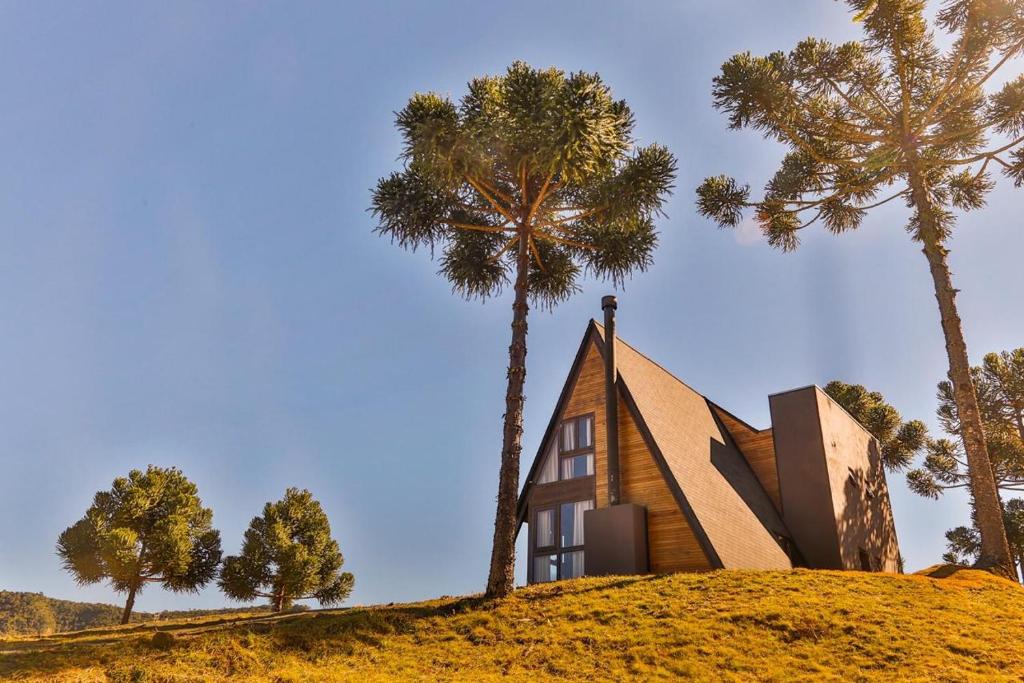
{"x":672,"y":545}
{"x":588,"y":397}
{"x":758,"y":447}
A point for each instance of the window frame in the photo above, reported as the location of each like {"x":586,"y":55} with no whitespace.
{"x":557,"y":550}
{"x":590,"y":450}
{"x":561,"y":456}
{"x":543,"y":549}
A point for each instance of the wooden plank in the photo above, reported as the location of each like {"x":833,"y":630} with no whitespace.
{"x":758,"y":447}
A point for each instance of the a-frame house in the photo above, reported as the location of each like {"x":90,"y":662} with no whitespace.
{"x":686,"y":486}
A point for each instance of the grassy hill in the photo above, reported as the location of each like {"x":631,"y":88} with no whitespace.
{"x":726,"y":625}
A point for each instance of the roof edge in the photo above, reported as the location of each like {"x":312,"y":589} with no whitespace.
{"x":570,"y":381}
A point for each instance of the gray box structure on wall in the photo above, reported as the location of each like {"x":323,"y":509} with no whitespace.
{"x":615,"y":540}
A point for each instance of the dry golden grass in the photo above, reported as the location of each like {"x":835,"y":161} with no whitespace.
{"x":722,"y":626}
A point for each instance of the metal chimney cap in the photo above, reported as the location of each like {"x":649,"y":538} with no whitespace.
{"x":608,"y":301}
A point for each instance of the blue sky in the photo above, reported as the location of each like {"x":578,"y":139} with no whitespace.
{"x":188,"y":274}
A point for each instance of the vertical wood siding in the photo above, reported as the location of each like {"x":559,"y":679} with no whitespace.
{"x":758,"y":447}
{"x":588,"y":397}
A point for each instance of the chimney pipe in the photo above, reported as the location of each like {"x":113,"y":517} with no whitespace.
{"x":611,"y":398}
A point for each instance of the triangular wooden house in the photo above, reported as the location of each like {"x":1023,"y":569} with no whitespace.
{"x":687,"y":486}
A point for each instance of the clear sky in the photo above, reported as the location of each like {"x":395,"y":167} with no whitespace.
{"x":188,"y":274}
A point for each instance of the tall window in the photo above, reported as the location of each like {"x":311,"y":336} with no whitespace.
{"x":558,"y":541}
{"x":572,"y":453}
{"x":549,"y":470}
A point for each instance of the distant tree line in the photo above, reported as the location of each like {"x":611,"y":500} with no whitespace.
{"x":35,"y":614}
{"x":151,"y":528}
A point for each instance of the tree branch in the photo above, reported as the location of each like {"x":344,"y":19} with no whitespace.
{"x":480,"y":228}
{"x":805,"y":205}
{"x":494,"y":190}
{"x":976,"y":157}
{"x":884,"y":201}
{"x":948,"y":88}
{"x":988,"y":74}
{"x":810,"y":222}
{"x":570,"y":219}
{"x":541,"y":195}
{"x":1004,"y":164}
{"x":508,"y":245}
{"x":572,"y":243}
{"x":849,"y":101}
{"x":493,"y":202}
{"x":536,"y":254}
{"x":796,"y":139}
{"x":878,"y":98}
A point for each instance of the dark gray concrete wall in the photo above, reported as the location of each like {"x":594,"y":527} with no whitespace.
{"x":860,"y":497}
{"x":803,"y":477}
{"x":834,"y":496}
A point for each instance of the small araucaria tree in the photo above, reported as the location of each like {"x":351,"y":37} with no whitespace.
{"x":532,"y":178}
{"x":1000,"y":385}
{"x":963,"y":543}
{"x":288,"y":554}
{"x":150,"y":527}
{"x":891,"y":117}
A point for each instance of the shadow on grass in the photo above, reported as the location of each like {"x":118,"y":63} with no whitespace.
{"x":574,"y":587}
{"x":943,"y":571}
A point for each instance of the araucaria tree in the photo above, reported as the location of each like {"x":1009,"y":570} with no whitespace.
{"x":532,"y":178}
{"x":900,"y":441}
{"x":287,"y":555}
{"x":963,"y":543}
{"x":150,"y":527}
{"x":891,"y":117}
{"x":1000,"y":384}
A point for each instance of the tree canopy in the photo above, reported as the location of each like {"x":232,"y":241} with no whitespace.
{"x":963,"y":543}
{"x":536,"y":155}
{"x":287,"y":555}
{"x":150,"y":527}
{"x":860,"y":117}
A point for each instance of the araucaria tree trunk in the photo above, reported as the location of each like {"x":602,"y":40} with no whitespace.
{"x":501,"y":579}
{"x":995,"y":550}
{"x":129,"y":605}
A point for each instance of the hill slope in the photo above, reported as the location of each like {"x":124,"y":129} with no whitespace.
{"x":725,"y":625}
{"x":24,"y":613}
